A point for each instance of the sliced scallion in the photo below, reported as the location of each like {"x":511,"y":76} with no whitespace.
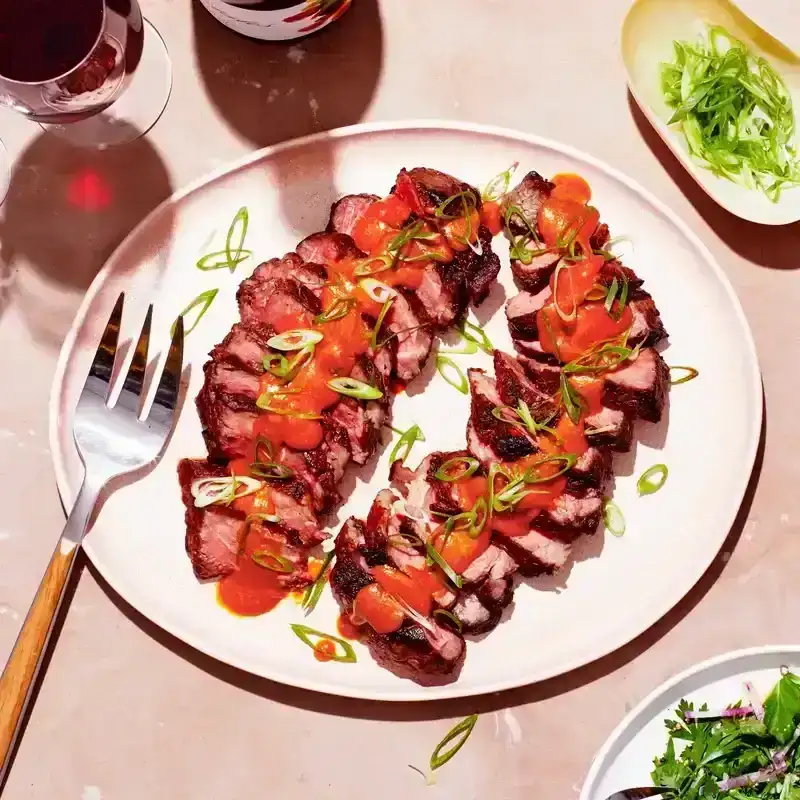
{"x":377,"y":329}
{"x":201,"y":303}
{"x":689,"y":373}
{"x":222,"y":490}
{"x":567,"y":316}
{"x":338,"y":309}
{"x":652,"y":479}
{"x":452,"y":373}
{"x":498,"y":186}
{"x":531,"y":474}
{"x":314,"y":591}
{"x":351,"y":387}
{"x":272,"y":561}
{"x":475,"y":333}
{"x":613,"y":518}
{"x":572,"y":399}
{"x":219,"y":260}
{"x":456,"y":469}
{"x":376,"y":290}
{"x":407,"y":439}
{"x":270,"y":470}
{"x":373,"y":265}
{"x":436,"y":557}
{"x":234,"y":240}
{"x":443,"y":613}
{"x":307,"y":635}
{"x":297,"y":339}
{"x":453,"y":741}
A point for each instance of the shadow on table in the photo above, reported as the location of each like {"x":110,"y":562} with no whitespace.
{"x":270,"y":92}
{"x":66,"y":211}
{"x":438,"y":709}
{"x":773,"y":246}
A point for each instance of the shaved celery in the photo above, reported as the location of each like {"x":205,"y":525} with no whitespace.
{"x":735,"y":112}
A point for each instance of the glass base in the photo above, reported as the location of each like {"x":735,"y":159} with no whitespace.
{"x":136,"y":110}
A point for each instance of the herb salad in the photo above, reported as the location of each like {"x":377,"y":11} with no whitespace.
{"x":747,"y":750}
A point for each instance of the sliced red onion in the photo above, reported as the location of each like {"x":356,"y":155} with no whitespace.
{"x":755,"y":700}
{"x":779,"y":757}
{"x":766,"y":775}
{"x":723,"y":713}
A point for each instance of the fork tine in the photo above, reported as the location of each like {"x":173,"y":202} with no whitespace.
{"x":130,"y":396}
{"x":99,"y":378}
{"x":166,"y":398}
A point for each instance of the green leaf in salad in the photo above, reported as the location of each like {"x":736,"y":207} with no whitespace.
{"x":782,"y":708}
{"x":734,"y":110}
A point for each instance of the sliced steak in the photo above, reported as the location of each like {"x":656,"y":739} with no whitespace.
{"x":243,"y":347}
{"x":528,"y":197}
{"x":521,"y":312}
{"x":327,"y":248}
{"x":227,"y":421}
{"x":611,"y":428}
{"x":647,"y":328}
{"x":412,"y":337}
{"x":228,"y":379}
{"x":514,"y":386}
{"x":347,"y":211}
{"x":481,"y":268}
{"x":592,"y":470}
{"x":427,"y":655}
{"x":442,"y":300}
{"x":423,"y":190}
{"x":536,"y":552}
{"x":489,"y":439}
{"x":292,"y":500}
{"x":571,"y":516}
{"x":268,"y":304}
{"x":535,"y":275}
{"x":213,"y":534}
{"x":546,"y":377}
{"x":312,"y":276}
{"x":640,"y":389}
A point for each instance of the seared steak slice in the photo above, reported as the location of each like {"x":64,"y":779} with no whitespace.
{"x":488,"y":438}
{"x":268,"y":303}
{"x":243,"y":347}
{"x":535,"y":275}
{"x":536,"y":552}
{"x":411,"y":335}
{"x":611,"y":428}
{"x":592,"y":470}
{"x":442,"y":299}
{"x":213,"y":534}
{"x":312,"y":276}
{"x":292,"y":500}
{"x":572,"y":516}
{"x":488,"y":589}
{"x":227,"y":421}
{"x":423,"y":190}
{"x":228,"y":379}
{"x":327,"y":248}
{"x":482,"y":270}
{"x":347,"y":211}
{"x":521,"y":313}
{"x":640,"y":389}
{"x":528,"y":197}
{"x":427,"y":655}
{"x":647,"y":328}
{"x":514,"y":386}
{"x":614,"y":269}
{"x":546,"y":377}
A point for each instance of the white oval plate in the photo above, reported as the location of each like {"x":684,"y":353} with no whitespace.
{"x":137,"y":543}
{"x":626,"y":759}
{"x":649,"y":29}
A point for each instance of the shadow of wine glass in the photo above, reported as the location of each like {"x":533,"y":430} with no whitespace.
{"x":269,"y":92}
{"x":66,"y":211}
{"x":772,"y":246}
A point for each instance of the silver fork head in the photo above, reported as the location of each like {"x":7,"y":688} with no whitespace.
{"x":639,"y":793}
{"x":113,"y":440}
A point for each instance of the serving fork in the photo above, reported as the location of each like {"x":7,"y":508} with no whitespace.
{"x":640,"y":793}
{"x":112,"y":441}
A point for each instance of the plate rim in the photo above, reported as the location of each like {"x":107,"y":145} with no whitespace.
{"x":419,"y":693}
{"x":598,"y":760}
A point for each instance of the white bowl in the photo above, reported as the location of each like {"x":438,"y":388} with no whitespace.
{"x":648,"y":33}
{"x":289,"y":23}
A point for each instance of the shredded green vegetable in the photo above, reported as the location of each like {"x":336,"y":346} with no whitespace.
{"x":735,"y":111}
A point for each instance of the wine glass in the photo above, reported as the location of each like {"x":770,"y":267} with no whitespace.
{"x":92,"y":71}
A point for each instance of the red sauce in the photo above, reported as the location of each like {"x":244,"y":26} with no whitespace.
{"x":253,"y":589}
{"x":373,"y":604}
{"x":325,"y":650}
{"x":569,"y":186}
{"x":346,"y":629}
{"x":592,"y":324}
{"x":492,"y":217}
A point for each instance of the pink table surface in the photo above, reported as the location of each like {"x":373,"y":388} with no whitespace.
{"x":126,"y":712}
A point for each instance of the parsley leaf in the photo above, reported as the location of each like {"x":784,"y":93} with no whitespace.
{"x":782,"y":708}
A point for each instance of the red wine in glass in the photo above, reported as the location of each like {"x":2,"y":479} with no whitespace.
{"x":64,"y":61}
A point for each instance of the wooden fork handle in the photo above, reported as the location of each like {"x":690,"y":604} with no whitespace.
{"x":19,"y":676}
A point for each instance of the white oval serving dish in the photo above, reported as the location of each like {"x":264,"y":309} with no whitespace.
{"x":648,"y":33}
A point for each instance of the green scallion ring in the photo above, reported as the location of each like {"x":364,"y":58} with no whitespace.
{"x":351,"y":387}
